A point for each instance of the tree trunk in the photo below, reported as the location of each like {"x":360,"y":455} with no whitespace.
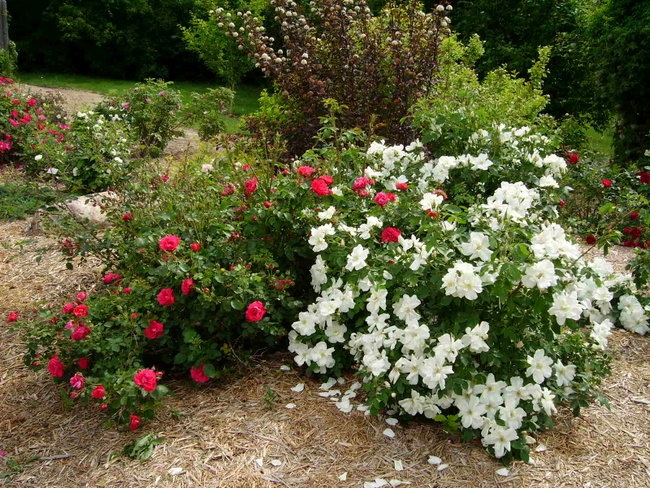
{"x":4,"y":25}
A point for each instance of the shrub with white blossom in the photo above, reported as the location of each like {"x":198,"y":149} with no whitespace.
{"x":447,"y":284}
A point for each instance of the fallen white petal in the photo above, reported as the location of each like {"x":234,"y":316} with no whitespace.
{"x":541,"y":448}
{"x":442,"y":467}
{"x":392,"y":421}
{"x":399,"y":466}
{"x":343,"y":477}
{"x":503,"y":472}
{"x":340,"y":380}
{"x":175,"y":471}
{"x":284,"y":367}
{"x":378,"y":483}
{"x":395,"y":482}
{"x":363,"y":408}
{"x":259,"y":461}
{"x":327,"y":394}
{"x":276,"y":462}
{"x":328,"y":384}
{"x":389,"y":433}
{"x":434,"y":460}
{"x":290,"y":405}
{"x":298,"y":388}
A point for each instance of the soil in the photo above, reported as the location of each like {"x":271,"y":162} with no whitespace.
{"x":241,"y":432}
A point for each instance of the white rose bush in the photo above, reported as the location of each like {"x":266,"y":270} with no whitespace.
{"x":448,"y":286}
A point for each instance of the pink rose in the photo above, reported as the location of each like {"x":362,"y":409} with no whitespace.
{"x":68,"y":307}
{"x":381,"y":199}
{"x":111,"y":278}
{"x":155,"y":330}
{"x":169,"y":243}
{"x":81,"y":296}
{"x":306,"y":171}
{"x":146,"y":379}
{"x":55,"y":367}
{"x":80,"y":332}
{"x":255,"y":311}
{"x":198,"y":375}
{"x":78,"y":381}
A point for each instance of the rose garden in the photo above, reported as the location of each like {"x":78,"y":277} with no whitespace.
{"x":388,"y":219}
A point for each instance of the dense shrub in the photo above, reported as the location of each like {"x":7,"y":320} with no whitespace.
{"x":374,"y":66}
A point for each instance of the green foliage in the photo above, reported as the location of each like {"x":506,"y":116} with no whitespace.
{"x":219,"y":52}
{"x":20,"y":197}
{"x":615,"y":43}
{"x":142,"y":448}
{"x":375,"y":67}
{"x":8,"y":60}
{"x":133,"y":39}
{"x":461,"y":103}
{"x":207,"y":111}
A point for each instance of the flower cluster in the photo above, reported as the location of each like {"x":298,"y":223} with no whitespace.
{"x":483,"y":315}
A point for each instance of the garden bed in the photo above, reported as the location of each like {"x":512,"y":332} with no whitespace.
{"x":233,"y":433}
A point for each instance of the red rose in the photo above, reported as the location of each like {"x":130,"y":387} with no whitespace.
{"x":591,"y":239}
{"x":255,"y":311}
{"x":81,"y":296}
{"x":195,"y":246}
{"x":80,"y":332}
{"x":103,"y":406}
{"x":78,"y":381}
{"x":327,"y":179}
{"x":166,"y":297}
{"x":127,"y":216}
{"x":127,"y":290}
{"x":250,"y":186}
{"x":55,"y":367}
{"x":99,"y":392}
{"x":80,"y":311}
{"x":83,"y":363}
{"x":306,"y":171}
{"x":562,"y":203}
{"x":12,"y":317}
{"x":634,"y":215}
{"x":111,"y":278}
{"x":198,"y":375}
{"x":187,"y":286}
{"x":606,"y":183}
{"x":402,"y":186}
{"x":644,"y":177}
{"x":134,"y":422}
{"x":390,"y":234}
{"x":574,"y":157}
{"x":320,"y":187}
{"x":267,"y":204}
{"x":155,"y":330}
{"x":169,"y":243}
{"x":68,"y":307}
{"x":146,"y":379}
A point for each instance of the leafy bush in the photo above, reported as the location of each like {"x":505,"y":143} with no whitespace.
{"x":374,"y":66}
{"x":461,"y":104}
{"x":472,"y":308}
{"x":477,"y":313}
{"x":8,"y":58}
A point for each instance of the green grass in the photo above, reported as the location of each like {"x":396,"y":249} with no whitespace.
{"x":246,"y":96}
{"x":600,"y":142}
{"x":20,"y":197}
